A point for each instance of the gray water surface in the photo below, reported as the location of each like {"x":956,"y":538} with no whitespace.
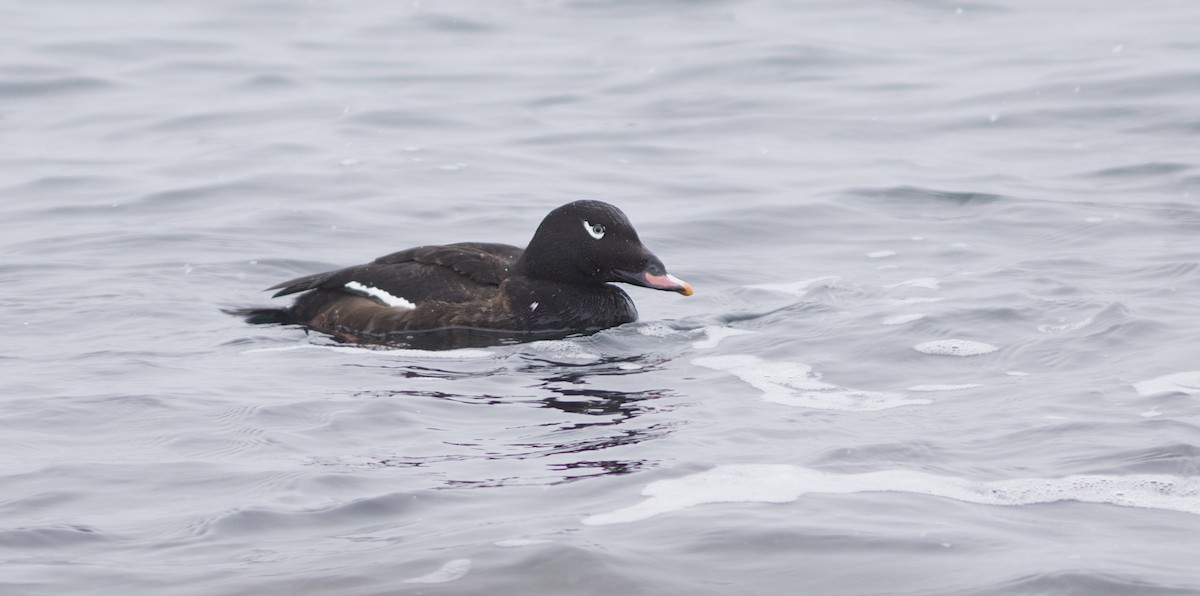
{"x":944,"y":337}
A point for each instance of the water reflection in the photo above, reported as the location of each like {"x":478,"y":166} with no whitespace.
{"x":449,"y":338}
{"x":597,"y":468}
{"x":574,"y":420}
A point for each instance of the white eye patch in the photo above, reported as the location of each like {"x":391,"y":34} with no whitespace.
{"x":595,"y":231}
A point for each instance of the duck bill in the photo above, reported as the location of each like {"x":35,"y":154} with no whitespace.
{"x":661,"y":281}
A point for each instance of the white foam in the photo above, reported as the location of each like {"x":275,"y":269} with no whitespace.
{"x":449,"y":572}
{"x":382,"y":295}
{"x":795,"y":384}
{"x":381,"y":351}
{"x":714,"y":335}
{"x":1065,"y":326}
{"x":902,"y":319}
{"x":943,"y":387}
{"x":880,"y":254}
{"x":777,"y":483}
{"x":955,"y":347}
{"x":1182,"y":382}
{"x":801,"y":287}
{"x":562,"y":348}
{"x":656,"y":330}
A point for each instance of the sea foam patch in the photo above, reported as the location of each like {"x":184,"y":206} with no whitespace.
{"x":779,"y":483}
{"x":656,"y":329}
{"x":795,"y":384}
{"x":954,"y":347}
{"x":1183,"y":382}
{"x":562,"y":348}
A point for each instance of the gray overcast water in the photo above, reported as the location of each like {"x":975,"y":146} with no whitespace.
{"x":944,"y":338}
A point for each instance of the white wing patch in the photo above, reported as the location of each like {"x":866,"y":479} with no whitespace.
{"x":533,"y":306}
{"x":381,"y":295}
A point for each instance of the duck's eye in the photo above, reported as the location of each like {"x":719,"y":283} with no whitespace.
{"x":595,"y":231}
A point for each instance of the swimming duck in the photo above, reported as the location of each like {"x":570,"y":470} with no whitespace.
{"x":559,"y":284}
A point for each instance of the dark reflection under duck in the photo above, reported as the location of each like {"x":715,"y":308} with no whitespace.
{"x":593,"y":421}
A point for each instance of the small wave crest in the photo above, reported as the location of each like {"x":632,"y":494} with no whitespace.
{"x":1183,"y":382}
{"x":954,"y":347}
{"x":780,"y":483}
{"x":452,"y":570}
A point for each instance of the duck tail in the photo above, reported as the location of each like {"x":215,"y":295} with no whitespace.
{"x":263,"y":316}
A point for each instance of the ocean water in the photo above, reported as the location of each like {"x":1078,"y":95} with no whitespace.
{"x":944,"y":338}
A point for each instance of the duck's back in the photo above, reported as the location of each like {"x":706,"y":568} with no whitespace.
{"x":462,"y":272}
{"x":415,"y":289}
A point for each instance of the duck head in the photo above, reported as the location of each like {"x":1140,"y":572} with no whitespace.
{"x":592,"y":242}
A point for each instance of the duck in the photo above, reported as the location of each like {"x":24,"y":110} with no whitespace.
{"x":560,"y":284}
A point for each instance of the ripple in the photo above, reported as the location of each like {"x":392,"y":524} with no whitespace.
{"x":912,"y":300}
{"x":795,"y":384}
{"x":911,"y":193}
{"x":928,"y":388}
{"x":714,"y":335}
{"x":903,"y":319}
{"x":52,"y":87}
{"x":925,"y":283}
{"x":800,"y":288}
{"x":1090,"y":582}
{"x":50,"y":537}
{"x":452,"y":570}
{"x":1064,"y":326}
{"x":1149,"y":169}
